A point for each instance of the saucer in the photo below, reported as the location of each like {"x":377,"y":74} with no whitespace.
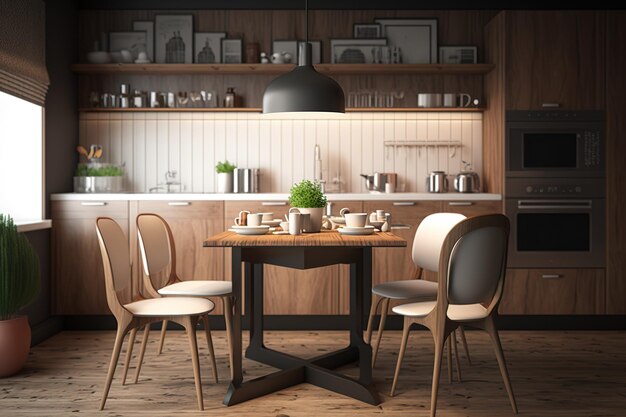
{"x":250,"y":230}
{"x":271,"y":223}
{"x":357,"y":231}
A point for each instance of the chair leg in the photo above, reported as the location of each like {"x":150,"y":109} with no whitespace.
{"x":464,"y":341}
{"x":456,"y":357}
{"x":190,"y":326}
{"x":144,"y":342}
{"x":209,"y":342}
{"x":163,"y":330}
{"x":449,"y":343}
{"x":405,"y":338}
{"x":381,"y":327}
{"x":115,"y":355}
{"x":439,"y":347}
{"x":129,"y":353}
{"x":370,"y":321}
{"x":228,"y":318}
{"x":490,"y":327}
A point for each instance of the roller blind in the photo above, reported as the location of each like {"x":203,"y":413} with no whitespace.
{"x":22,"y":50}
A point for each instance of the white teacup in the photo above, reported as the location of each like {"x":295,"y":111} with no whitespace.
{"x":255,"y":219}
{"x":355,"y":219}
{"x":267,"y":217}
{"x":284,"y":226}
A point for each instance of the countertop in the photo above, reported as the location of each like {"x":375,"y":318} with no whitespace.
{"x":276,"y":196}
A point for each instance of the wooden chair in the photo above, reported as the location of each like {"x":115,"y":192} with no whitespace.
{"x":429,"y":237}
{"x":132,"y":313}
{"x":471,"y":274}
{"x":158,"y":252}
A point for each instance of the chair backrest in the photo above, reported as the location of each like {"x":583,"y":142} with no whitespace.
{"x":156,"y":244}
{"x":429,"y":237}
{"x":116,"y":261}
{"x":477,"y":259}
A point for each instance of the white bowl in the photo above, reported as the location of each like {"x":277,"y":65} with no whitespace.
{"x":98,"y":57}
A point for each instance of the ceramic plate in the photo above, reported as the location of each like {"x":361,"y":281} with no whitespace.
{"x":251,"y":230}
{"x":271,"y":223}
{"x":358,"y":231}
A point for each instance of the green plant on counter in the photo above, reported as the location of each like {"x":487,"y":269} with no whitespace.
{"x":307,"y":194}
{"x":19,"y":269}
{"x":84,"y":170}
{"x":224,"y":167}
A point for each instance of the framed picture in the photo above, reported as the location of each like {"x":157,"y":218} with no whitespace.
{"x":458,"y":54}
{"x":148,"y":27}
{"x":367,"y":30}
{"x":416,"y":38}
{"x":356,"y":54}
{"x":232,"y":50}
{"x":316,"y":51}
{"x":343,"y":55}
{"x":174,"y":39}
{"x":208,"y":47}
{"x":289,"y":46}
{"x":135,"y":42}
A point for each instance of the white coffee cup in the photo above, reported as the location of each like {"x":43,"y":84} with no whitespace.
{"x":255,"y":219}
{"x":355,"y":219}
{"x":295,"y":223}
{"x":242,"y":218}
{"x":268,"y":217}
{"x":284,"y":226}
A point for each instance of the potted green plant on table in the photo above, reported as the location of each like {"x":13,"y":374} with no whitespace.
{"x":307,"y":197}
{"x":19,"y":283}
{"x":224,"y":176}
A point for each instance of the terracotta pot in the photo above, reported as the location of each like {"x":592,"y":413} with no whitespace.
{"x":14,"y":345}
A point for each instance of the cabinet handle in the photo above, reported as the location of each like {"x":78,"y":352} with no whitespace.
{"x":274,"y":203}
{"x":179,"y":203}
{"x":550,"y":105}
{"x":404,"y":203}
{"x":460,"y":203}
{"x":400,"y":227}
{"x":93,"y":203}
{"x":551,"y":276}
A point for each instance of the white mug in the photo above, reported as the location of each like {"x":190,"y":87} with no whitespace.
{"x":242,"y":218}
{"x":268,"y":217}
{"x":356,"y":219}
{"x":295,"y":223}
{"x":255,"y":219}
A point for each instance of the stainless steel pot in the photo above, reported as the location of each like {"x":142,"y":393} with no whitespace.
{"x":436,"y":182}
{"x":377,"y":181}
{"x":467,"y":182}
{"x":246,"y":180}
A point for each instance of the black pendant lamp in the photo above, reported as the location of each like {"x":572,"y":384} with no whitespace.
{"x":304,"y":90}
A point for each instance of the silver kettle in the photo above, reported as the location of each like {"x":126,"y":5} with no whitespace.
{"x":467,"y":181}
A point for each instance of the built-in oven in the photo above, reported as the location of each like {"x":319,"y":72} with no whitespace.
{"x":556,"y":222}
{"x":554,"y":144}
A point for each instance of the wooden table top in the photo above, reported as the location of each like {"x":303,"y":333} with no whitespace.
{"x":324,"y":238}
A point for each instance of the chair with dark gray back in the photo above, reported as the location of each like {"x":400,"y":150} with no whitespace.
{"x":471,"y":274}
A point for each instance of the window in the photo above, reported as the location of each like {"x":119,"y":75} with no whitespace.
{"x":21,"y":159}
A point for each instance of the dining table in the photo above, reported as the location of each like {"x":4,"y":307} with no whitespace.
{"x":304,"y":251}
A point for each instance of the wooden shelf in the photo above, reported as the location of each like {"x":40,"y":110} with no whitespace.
{"x":258,"y":110}
{"x":268,"y":69}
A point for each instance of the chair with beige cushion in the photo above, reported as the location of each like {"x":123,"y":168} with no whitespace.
{"x":132,"y":312}
{"x":158,"y":252}
{"x":425,"y":255}
{"x":471,"y":277}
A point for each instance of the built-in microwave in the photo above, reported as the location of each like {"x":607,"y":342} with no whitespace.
{"x":554,"y":144}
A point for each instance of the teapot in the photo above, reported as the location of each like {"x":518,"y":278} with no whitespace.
{"x":467,"y":181}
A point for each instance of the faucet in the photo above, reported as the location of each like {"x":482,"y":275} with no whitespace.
{"x":170,"y":180}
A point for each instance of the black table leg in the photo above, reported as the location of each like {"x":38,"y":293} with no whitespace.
{"x":255,"y":303}
{"x":236,"y":326}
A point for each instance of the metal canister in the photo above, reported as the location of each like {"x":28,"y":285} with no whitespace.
{"x":436,"y":182}
{"x":246,"y":180}
{"x":154,"y":99}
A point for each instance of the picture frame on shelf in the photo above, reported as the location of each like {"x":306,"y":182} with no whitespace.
{"x":173,"y":39}
{"x":148,"y":27}
{"x":208,"y":47}
{"x":134,"y":42}
{"x":316,"y":51}
{"x":358,"y":47}
{"x":461,"y":54}
{"x":232,"y":51}
{"x":416,"y":38}
{"x":367,"y":30}
{"x":286,"y":45}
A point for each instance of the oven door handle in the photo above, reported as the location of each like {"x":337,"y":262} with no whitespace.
{"x":553,"y":204}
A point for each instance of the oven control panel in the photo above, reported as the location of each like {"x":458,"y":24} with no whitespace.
{"x":591,"y":149}
{"x":555,"y":187}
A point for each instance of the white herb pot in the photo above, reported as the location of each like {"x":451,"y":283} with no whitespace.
{"x":225,"y":182}
{"x":316,"y":217}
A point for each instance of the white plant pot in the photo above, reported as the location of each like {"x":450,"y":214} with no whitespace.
{"x":316,"y":217}
{"x":225,"y":182}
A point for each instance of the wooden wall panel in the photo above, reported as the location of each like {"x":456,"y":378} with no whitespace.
{"x":616,"y":169}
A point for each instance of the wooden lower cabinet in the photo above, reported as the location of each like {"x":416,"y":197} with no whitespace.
{"x":553,"y":291}
{"x":191,"y":223}
{"x":472,"y":208}
{"x":78,"y":281}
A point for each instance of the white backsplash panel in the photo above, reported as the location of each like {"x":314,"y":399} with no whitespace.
{"x":191,"y":143}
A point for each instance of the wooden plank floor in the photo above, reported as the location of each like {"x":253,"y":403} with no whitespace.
{"x":553,"y":374}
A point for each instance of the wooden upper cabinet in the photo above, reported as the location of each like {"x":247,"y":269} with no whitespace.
{"x":555,"y":57}
{"x":77,"y":263}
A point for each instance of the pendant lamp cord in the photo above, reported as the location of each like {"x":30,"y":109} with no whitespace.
{"x":306,"y":17}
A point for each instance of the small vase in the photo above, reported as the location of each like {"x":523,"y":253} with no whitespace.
{"x":316,"y":217}
{"x":14,"y":345}
{"x":225,"y":182}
